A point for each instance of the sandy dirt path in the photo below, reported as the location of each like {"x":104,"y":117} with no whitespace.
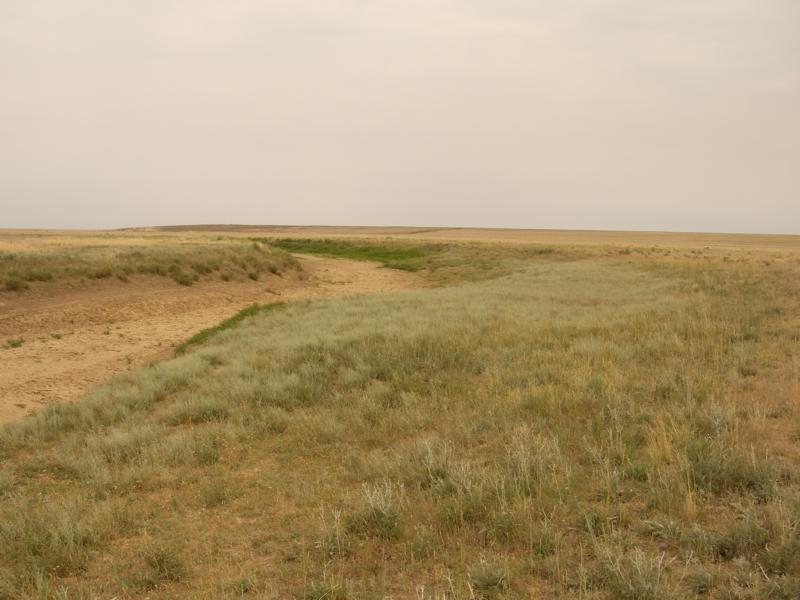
{"x":75,"y":339}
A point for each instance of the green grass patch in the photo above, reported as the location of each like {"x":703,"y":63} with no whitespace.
{"x":250,"y":311}
{"x":391,"y":255}
{"x":440,"y":263}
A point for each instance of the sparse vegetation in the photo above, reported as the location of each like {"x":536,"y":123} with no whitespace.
{"x":14,"y":342}
{"x":574,"y":424}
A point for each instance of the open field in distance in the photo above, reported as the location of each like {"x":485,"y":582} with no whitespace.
{"x":535,"y":415}
{"x":733,"y":241}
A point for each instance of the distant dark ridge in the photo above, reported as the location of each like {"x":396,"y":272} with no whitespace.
{"x":204,"y":227}
{"x":256,"y":228}
{"x":234,"y":228}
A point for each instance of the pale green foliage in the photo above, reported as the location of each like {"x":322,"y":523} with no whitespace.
{"x":575,"y":427}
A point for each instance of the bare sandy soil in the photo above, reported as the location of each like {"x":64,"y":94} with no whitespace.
{"x":75,"y":338}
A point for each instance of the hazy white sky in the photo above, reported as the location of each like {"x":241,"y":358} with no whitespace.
{"x":615,"y":114}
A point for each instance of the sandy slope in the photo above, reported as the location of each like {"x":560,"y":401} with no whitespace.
{"x":109,"y":326}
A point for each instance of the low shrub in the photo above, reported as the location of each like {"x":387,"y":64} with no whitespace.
{"x":15,"y":284}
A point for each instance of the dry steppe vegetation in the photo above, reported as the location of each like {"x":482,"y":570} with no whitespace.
{"x":543,"y":421}
{"x":86,"y":329}
{"x":183,"y":260}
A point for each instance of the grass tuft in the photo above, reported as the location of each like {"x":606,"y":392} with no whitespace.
{"x":487,"y":580}
{"x":162,"y":565}
{"x":381,"y":518}
{"x":14,"y":342}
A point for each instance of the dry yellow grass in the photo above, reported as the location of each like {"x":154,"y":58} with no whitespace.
{"x":596,"y":421}
{"x":737,"y":242}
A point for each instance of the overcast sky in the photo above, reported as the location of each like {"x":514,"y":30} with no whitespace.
{"x":610,"y":114}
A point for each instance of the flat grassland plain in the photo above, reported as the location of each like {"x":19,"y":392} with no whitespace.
{"x":535,"y":415}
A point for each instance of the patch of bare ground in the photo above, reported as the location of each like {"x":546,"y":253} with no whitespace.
{"x":74,"y":337}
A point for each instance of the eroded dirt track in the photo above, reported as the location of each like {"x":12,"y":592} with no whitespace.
{"x":75,"y":339}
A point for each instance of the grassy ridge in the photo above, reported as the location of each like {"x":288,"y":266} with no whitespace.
{"x":602,"y":428}
{"x":182,"y":262}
